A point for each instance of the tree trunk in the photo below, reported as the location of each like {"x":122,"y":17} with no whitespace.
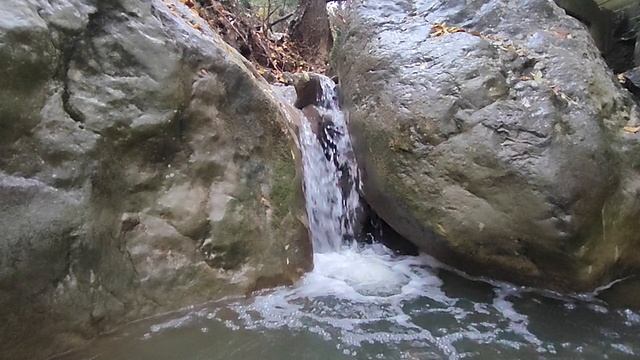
{"x":311,"y":30}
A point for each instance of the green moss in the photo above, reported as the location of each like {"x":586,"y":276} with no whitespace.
{"x":231,"y":238}
{"x":283,"y":188}
{"x":228,"y":256}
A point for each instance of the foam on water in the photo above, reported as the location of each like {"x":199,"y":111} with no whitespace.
{"x":367,"y":303}
{"x":354,"y":296}
{"x":366,"y":298}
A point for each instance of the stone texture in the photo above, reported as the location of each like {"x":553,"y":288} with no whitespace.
{"x":500,"y":149}
{"x":145,"y":166}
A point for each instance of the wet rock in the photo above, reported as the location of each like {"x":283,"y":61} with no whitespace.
{"x":145,"y":166}
{"x":500,"y":148}
{"x":637,"y":51}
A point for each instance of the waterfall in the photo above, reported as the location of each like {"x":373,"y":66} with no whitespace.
{"x":330,"y":171}
{"x":367,"y":302}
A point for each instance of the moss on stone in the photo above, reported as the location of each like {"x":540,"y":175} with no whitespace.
{"x":231,"y":238}
{"x":283,"y":185}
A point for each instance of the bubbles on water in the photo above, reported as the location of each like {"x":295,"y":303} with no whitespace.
{"x":173,"y":323}
{"x":623,"y":349}
{"x":517,"y":323}
{"x":631,"y":318}
{"x":355,"y":297}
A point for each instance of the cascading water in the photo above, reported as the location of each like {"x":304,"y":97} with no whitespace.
{"x":365,"y":302}
{"x":330,"y":172}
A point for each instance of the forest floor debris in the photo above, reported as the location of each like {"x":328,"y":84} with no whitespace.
{"x":272,"y":53}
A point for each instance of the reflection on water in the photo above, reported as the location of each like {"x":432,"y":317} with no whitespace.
{"x":366,"y":303}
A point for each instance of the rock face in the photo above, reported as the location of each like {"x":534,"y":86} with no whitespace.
{"x":144,"y":167}
{"x":499,"y":146}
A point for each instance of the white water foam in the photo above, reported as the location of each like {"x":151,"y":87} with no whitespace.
{"x":348,"y":295}
{"x":360,"y":296}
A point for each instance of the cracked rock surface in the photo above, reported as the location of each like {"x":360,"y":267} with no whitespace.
{"x":144,"y":167}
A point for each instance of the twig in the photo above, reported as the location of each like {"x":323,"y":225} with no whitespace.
{"x":281,"y":19}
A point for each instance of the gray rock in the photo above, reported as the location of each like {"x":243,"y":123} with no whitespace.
{"x":502,"y":148}
{"x":637,"y":51}
{"x":145,"y":166}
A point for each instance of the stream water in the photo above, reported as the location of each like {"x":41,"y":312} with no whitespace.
{"x":365,"y":302}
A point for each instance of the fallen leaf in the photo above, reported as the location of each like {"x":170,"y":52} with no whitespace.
{"x":265,"y":202}
{"x":537,"y":76}
{"x":440,"y":29}
{"x":632,"y":129}
{"x":562,"y":34}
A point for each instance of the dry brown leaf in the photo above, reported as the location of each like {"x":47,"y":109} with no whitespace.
{"x":537,"y":76}
{"x":562,"y":34}
{"x":632,"y":129}
{"x":440,"y":29}
{"x":265,"y":202}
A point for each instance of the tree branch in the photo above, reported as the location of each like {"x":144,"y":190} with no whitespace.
{"x":281,"y":19}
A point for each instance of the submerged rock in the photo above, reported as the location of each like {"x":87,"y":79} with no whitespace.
{"x":492,"y":134}
{"x":145,"y":166}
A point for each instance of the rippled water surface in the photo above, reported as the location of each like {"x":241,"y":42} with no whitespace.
{"x":365,"y":303}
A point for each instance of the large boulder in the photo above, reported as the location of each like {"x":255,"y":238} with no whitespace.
{"x":492,"y":134}
{"x":145,"y":166}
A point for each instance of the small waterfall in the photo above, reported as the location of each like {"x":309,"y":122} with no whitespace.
{"x":330,"y":171}
{"x":367,"y":302}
